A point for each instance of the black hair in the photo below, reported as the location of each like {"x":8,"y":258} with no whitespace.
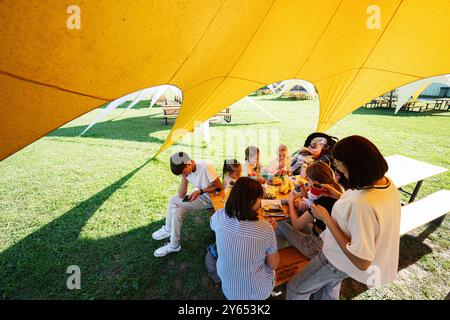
{"x":242,"y":198}
{"x":363,"y":160}
{"x":179,"y":161}
{"x":230,"y":165}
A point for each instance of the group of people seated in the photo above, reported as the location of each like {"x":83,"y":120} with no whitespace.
{"x":352,"y":229}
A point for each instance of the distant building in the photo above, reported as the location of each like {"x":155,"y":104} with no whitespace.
{"x":436,"y":90}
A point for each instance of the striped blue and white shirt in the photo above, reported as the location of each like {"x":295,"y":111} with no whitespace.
{"x":242,"y":248}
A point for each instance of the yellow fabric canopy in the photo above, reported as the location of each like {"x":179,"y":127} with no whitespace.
{"x":215,"y":51}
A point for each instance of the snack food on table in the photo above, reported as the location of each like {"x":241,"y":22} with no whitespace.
{"x":270,"y":193}
{"x":286,"y":187}
{"x":277,"y":181}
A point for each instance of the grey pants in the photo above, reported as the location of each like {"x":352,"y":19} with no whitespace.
{"x":177,"y":209}
{"x":308,"y":245}
{"x":319,"y":279}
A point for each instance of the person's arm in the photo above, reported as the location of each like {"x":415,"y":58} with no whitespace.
{"x":303,"y":190}
{"x":273,"y":258}
{"x":182,"y":189}
{"x":211,"y":188}
{"x":301,"y":222}
{"x":331,"y":191}
{"x":305,"y":150}
{"x":321,"y":213}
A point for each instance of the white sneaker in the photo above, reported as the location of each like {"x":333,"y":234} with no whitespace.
{"x":165,"y":249}
{"x":161,"y":234}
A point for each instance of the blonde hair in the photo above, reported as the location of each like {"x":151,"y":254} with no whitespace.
{"x":283,"y":147}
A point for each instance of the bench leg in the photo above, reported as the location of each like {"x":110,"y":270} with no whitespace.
{"x":416,"y":191}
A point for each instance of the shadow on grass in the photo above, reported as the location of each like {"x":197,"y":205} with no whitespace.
{"x":120,"y":266}
{"x":130,"y":129}
{"x":411,"y":250}
{"x":390,"y":112}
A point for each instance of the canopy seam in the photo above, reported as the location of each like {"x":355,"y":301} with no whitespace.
{"x":52,"y":86}
{"x":367,"y":58}
{"x":318,"y":40}
{"x":198,"y":42}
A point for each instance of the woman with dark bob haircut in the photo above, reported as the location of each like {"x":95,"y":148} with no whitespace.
{"x":246,"y":245}
{"x":362,"y":235}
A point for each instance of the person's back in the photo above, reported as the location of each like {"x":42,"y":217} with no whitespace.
{"x":242,"y":249}
{"x":377,"y":209}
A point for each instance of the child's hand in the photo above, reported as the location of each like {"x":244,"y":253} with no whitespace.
{"x":320,"y":212}
{"x":273,"y":222}
{"x":304,"y":149}
{"x":316,"y":151}
{"x":302,"y":206}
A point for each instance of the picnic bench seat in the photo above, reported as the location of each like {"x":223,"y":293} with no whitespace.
{"x":291,"y":262}
{"x":424,"y":210}
{"x":413,"y":215}
{"x":172,"y":111}
{"x":419,"y":106}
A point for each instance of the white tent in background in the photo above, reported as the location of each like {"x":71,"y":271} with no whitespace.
{"x":154,"y":92}
{"x":203,"y":129}
{"x":163,"y":90}
{"x":414,"y":89}
{"x":146,"y":93}
{"x":289,"y":84}
{"x":111,"y":106}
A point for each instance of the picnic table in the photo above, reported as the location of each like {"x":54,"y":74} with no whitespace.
{"x":172,"y":111}
{"x":291,"y":260}
{"x":404,"y":171}
{"x":218,"y":202}
{"x":419,"y":105}
{"x":442,"y":104}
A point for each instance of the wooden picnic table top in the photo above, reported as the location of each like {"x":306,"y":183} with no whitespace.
{"x":403,"y":170}
{"x":171,"y":107}
{"x":218,"y":201}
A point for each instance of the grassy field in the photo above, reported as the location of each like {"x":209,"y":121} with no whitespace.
{"x":93,"y":201}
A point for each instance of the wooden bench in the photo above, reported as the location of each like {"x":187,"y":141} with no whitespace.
{"x":291,"y":262}
{"x":172,"y":111}
{"x":442,"y":104}
{"x":413,"y":215}
{"x":420,"y":105}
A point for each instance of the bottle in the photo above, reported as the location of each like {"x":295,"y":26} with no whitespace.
{"x":303,"y":171}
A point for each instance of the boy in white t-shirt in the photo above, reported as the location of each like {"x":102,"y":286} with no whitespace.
{"x":203,"y":176}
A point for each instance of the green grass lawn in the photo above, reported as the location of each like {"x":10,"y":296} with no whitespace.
{"x":93,"y":201}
